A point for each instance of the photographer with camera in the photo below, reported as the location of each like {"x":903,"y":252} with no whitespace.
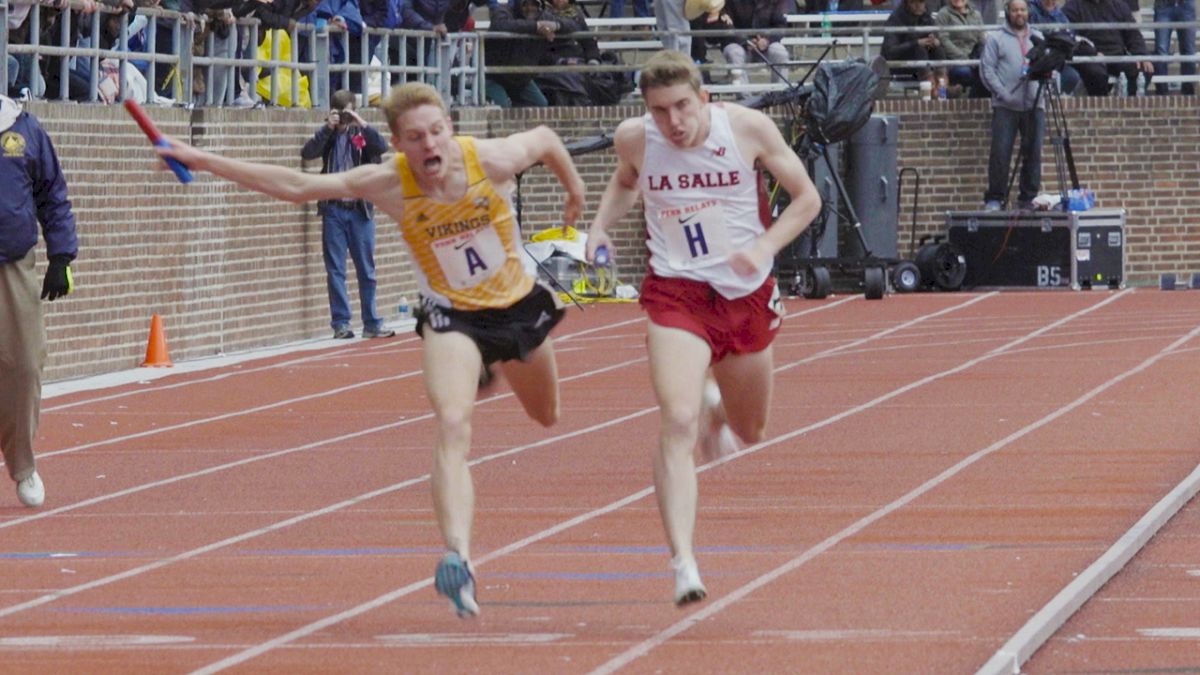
{"x":1016,"y":106}
{"x":344,"y":142}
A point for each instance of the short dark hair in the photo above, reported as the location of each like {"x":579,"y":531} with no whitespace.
{"x":341,"y":99}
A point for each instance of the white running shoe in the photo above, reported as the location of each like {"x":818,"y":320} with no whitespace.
{"x":30,"y":491}
{"x":721,"y":441}
{"x":688,"y":587}
{"x":718,"y":444}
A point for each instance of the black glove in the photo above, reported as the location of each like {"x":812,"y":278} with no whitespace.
{"x":58,"y":280}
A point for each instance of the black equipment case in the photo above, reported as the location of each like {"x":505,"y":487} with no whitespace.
{"x":1041,"y":249}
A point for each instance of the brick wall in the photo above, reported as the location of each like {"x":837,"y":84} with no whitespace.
{"x":229,"y":270}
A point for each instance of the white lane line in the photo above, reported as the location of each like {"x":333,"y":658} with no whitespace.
{"x":353,"y":501}
{"x":130,"y":376}
{"x":124,"y":377}
{"x":308,"y":446}
{"x":75,"y":642}
{"x":1171,"y":633}
{"x":237,"y":413}
{"x":279,"y":453}
{"x":386,"y":598}
{"x":443,"y":639}
{"x":852,"y":635}
{"x":1021,"y":646}
{"x":51,"y":597}
{"x":643,"y":648}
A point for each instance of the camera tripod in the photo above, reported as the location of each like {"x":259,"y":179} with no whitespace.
{"x":1060,"y":139}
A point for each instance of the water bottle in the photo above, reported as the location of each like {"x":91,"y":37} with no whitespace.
{"x":826,"y":21}
{"x":403,"y":310}
{"x":1141,"y":84}
{"x":1122,"y":85}
{"x":941,"y":89}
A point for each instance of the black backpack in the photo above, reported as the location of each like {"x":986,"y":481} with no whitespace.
{"x":610,"y":87}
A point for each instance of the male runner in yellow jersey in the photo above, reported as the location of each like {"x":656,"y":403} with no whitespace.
{"x":479,"y":303}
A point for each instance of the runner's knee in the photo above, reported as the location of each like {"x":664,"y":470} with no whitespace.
{"x":455,"y":426}
{"x":547,"y":414}
{"x":680,"y":422}
{"x":750,"y":432}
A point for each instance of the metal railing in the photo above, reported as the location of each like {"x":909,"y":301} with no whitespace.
{"x":455,"y":64}
{"x":452,"y":63}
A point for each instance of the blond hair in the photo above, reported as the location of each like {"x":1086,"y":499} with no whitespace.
{"x":408,"y":96}
{"x":668,"y":68}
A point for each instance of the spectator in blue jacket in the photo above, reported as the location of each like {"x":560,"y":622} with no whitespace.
{"x":35,"y":192}
{"x":346,"y":15}
{"x":383,"y":14}
{"x":427,"y":15}
{"x":344,"y":142}
{"x":1042,"y":12}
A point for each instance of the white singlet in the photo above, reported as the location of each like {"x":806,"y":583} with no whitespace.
{"x":701,"y":204}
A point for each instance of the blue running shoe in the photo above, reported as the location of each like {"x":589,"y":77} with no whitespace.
{"x":454,"y":580}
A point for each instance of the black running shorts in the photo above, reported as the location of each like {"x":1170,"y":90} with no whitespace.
{"x":501,"y":334}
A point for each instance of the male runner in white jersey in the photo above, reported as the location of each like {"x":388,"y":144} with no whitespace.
{"x":709,"y":293}
{"x":479,"y":303}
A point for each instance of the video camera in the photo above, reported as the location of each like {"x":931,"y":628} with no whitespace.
{"x":1050,"y":54}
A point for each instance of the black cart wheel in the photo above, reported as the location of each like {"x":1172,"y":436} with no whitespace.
{"x":943,"y":265}
{"x":874,"y":282}
{"x":816,"y":284}
{"x":906,"y":277}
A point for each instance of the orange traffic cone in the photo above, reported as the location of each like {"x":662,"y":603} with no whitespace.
{"x":156,"y":348}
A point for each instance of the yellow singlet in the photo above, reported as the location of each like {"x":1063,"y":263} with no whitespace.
{"x":467,"y":251}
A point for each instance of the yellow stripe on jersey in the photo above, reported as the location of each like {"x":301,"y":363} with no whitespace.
{"x":467,"y":251}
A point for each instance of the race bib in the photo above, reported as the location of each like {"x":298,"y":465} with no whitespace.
{"x":470,"y":258}
{"x":695,"y":235}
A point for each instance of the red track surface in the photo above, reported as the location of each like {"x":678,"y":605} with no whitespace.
{"x":937,"y":469}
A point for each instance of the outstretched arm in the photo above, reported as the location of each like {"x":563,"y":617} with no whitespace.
{"x":276,"y":181}
{"x":504,"y":158}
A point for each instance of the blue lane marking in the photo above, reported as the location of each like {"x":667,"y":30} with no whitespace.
{"x":927,"y":547}
{"x":380,"y":550}
{"x":191,"y":610}
{"x":65,"y":555}
{"x":582,"y":576}
{"x":665,"y":550}
{"x":377,"y":550}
